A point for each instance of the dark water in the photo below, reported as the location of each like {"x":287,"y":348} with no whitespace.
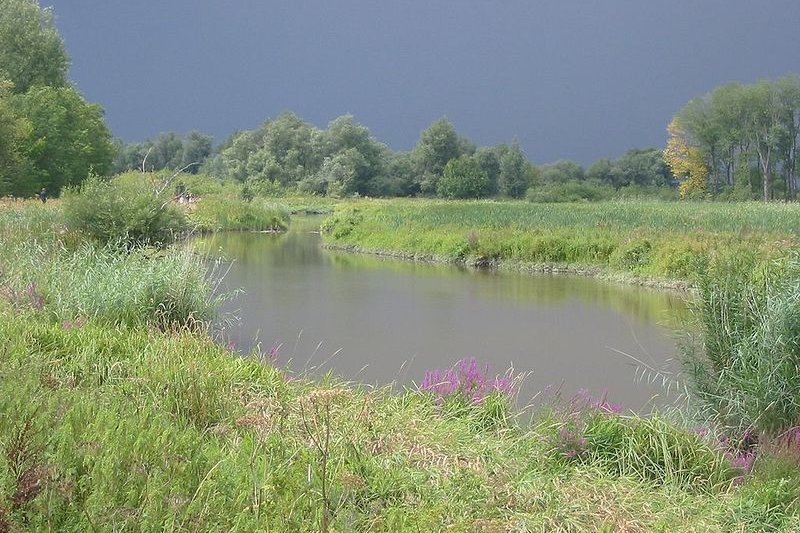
{"x":377,"y":320}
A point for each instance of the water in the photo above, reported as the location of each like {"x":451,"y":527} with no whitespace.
{"x":378,"y":320}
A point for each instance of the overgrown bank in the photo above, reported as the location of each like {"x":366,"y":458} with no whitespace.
{"x":117,"y":416}
{"x":644,"y":240}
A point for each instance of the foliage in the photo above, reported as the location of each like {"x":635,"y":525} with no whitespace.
{"x":744,"y":358}
{"x":68,"y":141}
{"x":51,"y":137}
{"x":686,"y":163}
{"x":463,"y":178}
{"x":569,"y":191}
{"x":31,"y":50}
{"x":127,"y":211}
{"x":168,"y":151}
{"x":15,"y":130}
{"x":717,"y":140}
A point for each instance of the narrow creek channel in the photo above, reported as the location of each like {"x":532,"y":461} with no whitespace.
{"x":377,"y":320}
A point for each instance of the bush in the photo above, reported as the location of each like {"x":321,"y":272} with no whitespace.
{"x":126,"y":211}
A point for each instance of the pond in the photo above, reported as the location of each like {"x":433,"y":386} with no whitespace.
{"x":378,"y":320}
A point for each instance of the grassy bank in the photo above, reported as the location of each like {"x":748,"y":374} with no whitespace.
{"x":111,"y":429}
{"x":642,"y":239}
{"x":114,"y":418}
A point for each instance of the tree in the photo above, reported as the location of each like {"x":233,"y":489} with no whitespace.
{"x":686,"y":162}
{"x":14,"y":132}
{"x":601,"y":171}
{"x":512,"y":181}
{"x":489,"y":160}
{"x":641,"y":167}
{"x":31,"y":50}
{"x":352,"y":143}
{"x":196,"y":149}
{"x":463,"y":178}
{"x":68,"y":139}
{"x":437,"y":145}
{"x":562,"y":171}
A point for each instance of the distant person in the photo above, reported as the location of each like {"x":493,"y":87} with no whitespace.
{"x":43,"y":195}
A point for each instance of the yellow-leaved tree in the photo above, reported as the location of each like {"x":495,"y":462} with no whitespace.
{"x":686,"y":162}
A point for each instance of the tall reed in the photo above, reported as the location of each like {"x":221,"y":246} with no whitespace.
{"x":745,"y":353}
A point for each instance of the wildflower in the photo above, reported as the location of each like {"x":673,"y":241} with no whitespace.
{"x":466,"y":379}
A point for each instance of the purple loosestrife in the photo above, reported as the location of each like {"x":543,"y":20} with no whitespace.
{"x":466,"y":380}
{"x":272,"y":354}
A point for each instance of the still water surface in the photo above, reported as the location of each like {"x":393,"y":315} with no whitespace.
{"x":379,"y":320}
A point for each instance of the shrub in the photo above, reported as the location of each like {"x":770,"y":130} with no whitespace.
{"x":127,"y":210}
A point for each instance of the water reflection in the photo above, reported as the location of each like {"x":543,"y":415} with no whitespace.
{"x":376,"y":320}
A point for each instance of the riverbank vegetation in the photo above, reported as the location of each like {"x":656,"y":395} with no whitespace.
{"x":643,"y":239}
{"x":121,"y":410}
{"x":118,"y":411}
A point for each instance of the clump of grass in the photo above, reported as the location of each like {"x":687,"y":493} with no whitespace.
{"x":468,"y":389}
{"x":652,"y":449}
{"x":216,"y":213}
{"x":744,"y":353}
{"x":162,"y":289}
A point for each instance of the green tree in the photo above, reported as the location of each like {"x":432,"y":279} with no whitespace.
{"x":437,"y":145}
{"x":355,"y":148}
{"x":562,"y":171}
{"x":601,"y":171}
{"x":196,"y":149}
{"x":463,"y":178}
{"x":513,"y":181}
{"x":31,"y":50}
{"x":68,"y":139}
{"x":488,"y":157}
{"x":14,"y":132}
{"x":641,"y":167}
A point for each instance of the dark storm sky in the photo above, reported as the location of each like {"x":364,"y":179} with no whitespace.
{"x":569,"y":79}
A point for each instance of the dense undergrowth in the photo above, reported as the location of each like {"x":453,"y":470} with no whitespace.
{"x":115,"y":415}
{"x":643,"y":239}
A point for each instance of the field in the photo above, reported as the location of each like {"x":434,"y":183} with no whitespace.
{"x":641,"y":239}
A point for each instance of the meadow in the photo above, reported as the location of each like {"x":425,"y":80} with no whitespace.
{"x":118,"y":411}
{"x":638,"y":239}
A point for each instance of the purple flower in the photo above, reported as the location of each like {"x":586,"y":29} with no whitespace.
{"x":272,"y":354}
{"x":466,"y":379}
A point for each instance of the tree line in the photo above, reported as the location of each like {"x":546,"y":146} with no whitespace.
{"x":345,"y":159}
{"x":739,"y":141}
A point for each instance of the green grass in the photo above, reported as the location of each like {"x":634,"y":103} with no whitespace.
{"x":639,"y":238}
{"x":110,"y":424}
{"x":743,"y":356}
{"x":136,"y":430}
{"x":218,"y":213}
